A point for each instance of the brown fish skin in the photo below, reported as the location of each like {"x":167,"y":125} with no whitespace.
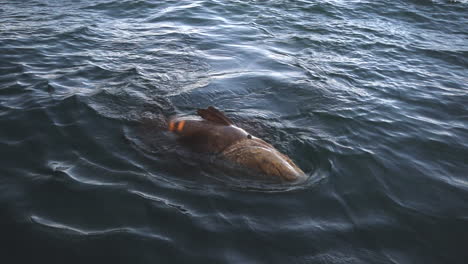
{"x":235,"y":144}
{"x":206,"y":135}
{"x":257,"y":154}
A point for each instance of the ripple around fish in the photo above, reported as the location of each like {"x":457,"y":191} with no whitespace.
{"x":213,"y":174}
{"x":160,"y":147}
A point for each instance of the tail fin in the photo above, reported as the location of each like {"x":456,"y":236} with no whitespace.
{"x":214,"y":115}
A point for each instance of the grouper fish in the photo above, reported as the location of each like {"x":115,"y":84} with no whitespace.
{"x":213,"y":132}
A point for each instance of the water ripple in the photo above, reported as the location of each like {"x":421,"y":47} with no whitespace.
{"x":86,"y":232}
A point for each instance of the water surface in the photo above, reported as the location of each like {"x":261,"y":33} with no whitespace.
{"x":369,"y":98}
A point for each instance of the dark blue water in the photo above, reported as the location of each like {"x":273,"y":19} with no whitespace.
{"x":369,"y":98}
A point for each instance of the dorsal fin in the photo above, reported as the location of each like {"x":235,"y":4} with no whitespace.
{"x":214,"y":115}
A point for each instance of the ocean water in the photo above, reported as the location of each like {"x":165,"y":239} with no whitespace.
{"x":369,"y":98}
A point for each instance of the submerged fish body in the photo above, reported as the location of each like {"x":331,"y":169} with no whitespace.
{"x":215,"y":133}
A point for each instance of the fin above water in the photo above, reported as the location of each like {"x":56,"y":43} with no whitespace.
{"x":214,"y":115}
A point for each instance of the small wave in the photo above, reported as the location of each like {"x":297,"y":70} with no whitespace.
{"x":100,"y":232}
{"x":166,"y":202}
{"x":67,"y":169}
{"x":74,"y":32}
{"x":122,"y":7}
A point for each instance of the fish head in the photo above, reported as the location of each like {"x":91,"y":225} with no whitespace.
{"x":257,"y":154}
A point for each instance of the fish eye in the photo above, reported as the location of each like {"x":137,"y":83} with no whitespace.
{"x":249,"y":136}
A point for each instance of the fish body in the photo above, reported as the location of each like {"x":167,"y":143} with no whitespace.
{"x":215,"y":133}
